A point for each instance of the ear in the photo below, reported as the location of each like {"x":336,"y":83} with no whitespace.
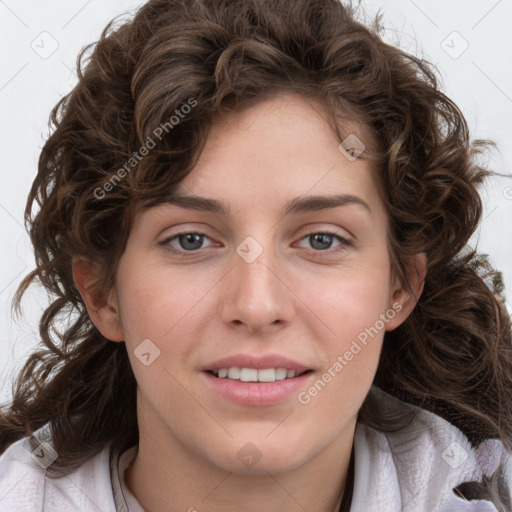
{"x":403,"y":300}
{"x":104,"y":313}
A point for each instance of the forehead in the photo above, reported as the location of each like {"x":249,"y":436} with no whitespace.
{"x":285,"y":146}
{"x":285,"y":110}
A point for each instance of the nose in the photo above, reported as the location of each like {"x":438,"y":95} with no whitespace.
{"x":257,"y":295}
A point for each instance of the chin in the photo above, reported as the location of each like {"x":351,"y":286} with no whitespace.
{"x":252,"y":458}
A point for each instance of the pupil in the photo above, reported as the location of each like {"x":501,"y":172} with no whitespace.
{"x":321,"y":238}
{"x":191,"y":237}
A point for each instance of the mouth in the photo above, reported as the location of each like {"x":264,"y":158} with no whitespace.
{"x":266,"y":375}
{"x":250,"y":388}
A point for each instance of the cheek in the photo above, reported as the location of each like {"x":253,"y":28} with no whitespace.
{"x":352,"y":308}
{"x":352,"y":347}
{"x":160,"y":300}
{"x":351,"y":299}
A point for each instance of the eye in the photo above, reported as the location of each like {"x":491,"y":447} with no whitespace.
{"x":322,"y":241}
{"x":192,"y":242}
{"x":186,"y":241}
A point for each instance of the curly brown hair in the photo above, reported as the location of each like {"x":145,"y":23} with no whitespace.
{"x":453,"y":353}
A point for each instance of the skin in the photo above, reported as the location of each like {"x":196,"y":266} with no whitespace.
{"x":303,"y":300}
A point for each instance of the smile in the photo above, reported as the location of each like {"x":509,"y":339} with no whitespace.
{"x":253,"y":391}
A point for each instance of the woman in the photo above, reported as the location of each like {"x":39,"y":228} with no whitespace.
{"x":254,"y":215}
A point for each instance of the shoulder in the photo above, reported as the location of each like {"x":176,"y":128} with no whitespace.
{"x":25,"y":487}
{"x":417,"y":467}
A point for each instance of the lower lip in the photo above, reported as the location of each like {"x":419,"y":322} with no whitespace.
{"x":257,"y":393}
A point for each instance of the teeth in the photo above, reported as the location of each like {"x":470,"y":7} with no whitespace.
{"x":254,"y":375}
{"x":249,"y":375}
{"x":234,"y":373}
{"x":282,"y":373}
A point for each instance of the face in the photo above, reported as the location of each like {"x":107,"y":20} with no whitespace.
{"x":311,"y":285}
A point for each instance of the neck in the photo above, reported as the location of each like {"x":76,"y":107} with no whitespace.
{"x":172,"y":479}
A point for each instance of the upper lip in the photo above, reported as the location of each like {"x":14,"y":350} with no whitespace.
{"x":259,"y":363}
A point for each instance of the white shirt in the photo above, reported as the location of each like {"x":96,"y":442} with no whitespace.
{"x":412,"y":470}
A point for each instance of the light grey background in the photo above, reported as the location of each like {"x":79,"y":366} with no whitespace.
{"x":469,"y":41}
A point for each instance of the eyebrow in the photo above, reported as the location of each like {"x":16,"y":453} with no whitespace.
{"x":301,"y":204}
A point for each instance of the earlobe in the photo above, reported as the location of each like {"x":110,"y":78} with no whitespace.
{"x":415,"y":270}
{"x":104,"y":312}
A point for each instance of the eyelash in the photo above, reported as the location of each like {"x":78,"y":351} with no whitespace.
{"x":165,"y":243}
